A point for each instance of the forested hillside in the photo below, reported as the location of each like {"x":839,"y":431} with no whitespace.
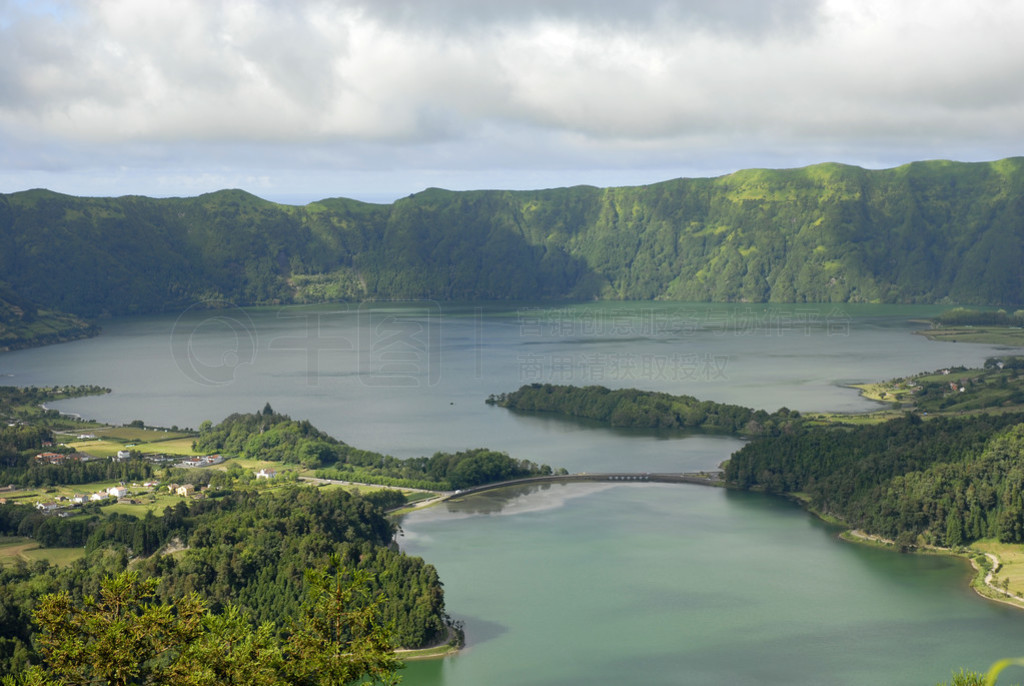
{"x":948,"y":480}
{"x":242,"y":548}
{"x":924,"y":232}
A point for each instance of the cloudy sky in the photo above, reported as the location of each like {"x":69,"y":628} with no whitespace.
{"x":374,"y":99}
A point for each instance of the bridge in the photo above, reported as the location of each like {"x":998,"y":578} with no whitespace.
{"x":713,"y":478}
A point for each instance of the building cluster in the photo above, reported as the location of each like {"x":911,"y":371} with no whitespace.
{"x":121,"y":493}
{"x":62,"y":458}
{"x":204,"y":461}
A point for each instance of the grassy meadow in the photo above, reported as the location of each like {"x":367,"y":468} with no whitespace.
{"x":26,"y":550}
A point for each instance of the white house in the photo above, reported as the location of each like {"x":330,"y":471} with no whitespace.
{"x":186,"y":490}
{"x":117,"y":491}
{"x":266,"y":474}
{"x":98,"y":496}
{"x":124,"y":454}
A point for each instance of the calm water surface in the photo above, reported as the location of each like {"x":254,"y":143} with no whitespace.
{"x":662,"y":584}
{"x":586,"y":584}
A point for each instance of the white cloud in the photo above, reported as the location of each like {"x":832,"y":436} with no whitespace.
{"x":474,"y":87}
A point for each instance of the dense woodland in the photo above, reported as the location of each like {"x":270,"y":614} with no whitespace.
{"x":267,"y":435}
{"x":124,"y":635}
{"x":947,"y":480}
{"x":923,"y":232}
{"x":632,"y":408}
{"x":241,"y":548}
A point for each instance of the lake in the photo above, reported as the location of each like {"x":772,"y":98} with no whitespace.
{"x":586,"y":583}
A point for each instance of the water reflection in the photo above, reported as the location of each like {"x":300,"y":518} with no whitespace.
{"x":511,"y":500}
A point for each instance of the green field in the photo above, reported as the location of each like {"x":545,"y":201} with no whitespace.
{"x":171,"y":446}
{"x":256,"y":465}
{"x":1011,"y":557}
{"x":886,"y":392}
{"x":27,"y":550}
{"x":112,"y":439}
{"x":96,"y":447}
{"x":143,"y":507}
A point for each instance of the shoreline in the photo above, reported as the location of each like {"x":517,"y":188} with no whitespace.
{"x":450,"y":646}
{"x":981,"y":581}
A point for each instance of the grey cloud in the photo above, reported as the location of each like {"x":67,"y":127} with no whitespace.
{"x":751,"y":17}
{"x":448,"y":91}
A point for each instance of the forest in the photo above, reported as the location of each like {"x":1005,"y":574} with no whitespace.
{"x":632,"y":408}
{"x":243,"y":549}
{"x":926,"y":232}
{"x":124,"y":635}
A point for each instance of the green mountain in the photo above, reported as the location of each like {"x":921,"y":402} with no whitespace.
{"x":923,"y":232}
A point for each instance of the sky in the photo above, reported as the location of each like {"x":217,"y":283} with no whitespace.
{"x":299,"y":100}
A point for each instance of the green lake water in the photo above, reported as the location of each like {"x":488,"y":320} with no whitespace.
{"x":587,"y":583}
{"x":664,"y":584}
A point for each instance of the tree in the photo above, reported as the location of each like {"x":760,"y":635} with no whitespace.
{"x":906,"y":541}
{"x":339,"y":636}
{"x":117,"y":639}
{"x":230,"y":651}
{"x":954,"y":529}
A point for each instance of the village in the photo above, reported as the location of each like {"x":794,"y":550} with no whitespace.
{"x":163,"y":450}
{"x":954,"y":390}
{"x":124,"y":493}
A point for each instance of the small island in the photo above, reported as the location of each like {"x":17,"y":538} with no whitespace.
{"x":636,"y":409}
